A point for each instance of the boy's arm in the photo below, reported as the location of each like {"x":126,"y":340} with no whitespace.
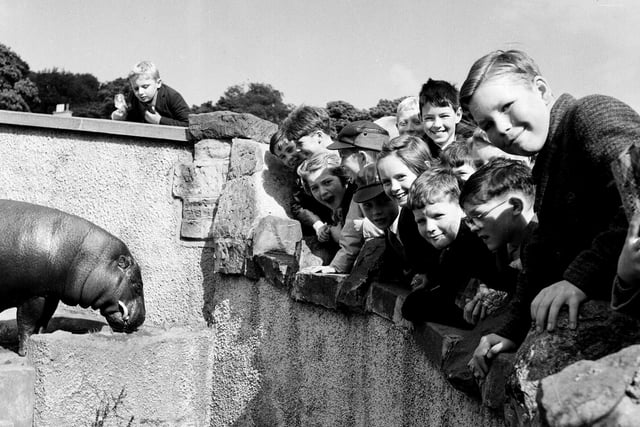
{"x":179,"y":110}
{"x":300,"y":212}
{"x":606,"y":128}
{"x":351,"y":241}
{"x":625,"y":294}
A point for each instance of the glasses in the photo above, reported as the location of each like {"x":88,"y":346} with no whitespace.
{"x":478,"y":218}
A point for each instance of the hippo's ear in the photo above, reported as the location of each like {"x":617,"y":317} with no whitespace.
{"x":124,"y":262}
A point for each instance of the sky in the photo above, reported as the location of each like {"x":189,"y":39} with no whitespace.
{"x":314,"y":52}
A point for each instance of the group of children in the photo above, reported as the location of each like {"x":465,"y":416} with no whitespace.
{"x":497,"y":200}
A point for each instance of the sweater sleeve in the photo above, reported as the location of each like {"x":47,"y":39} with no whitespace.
{"x":351,"y":241}
{"x":605,"y":128}
{"x":178,"y":110}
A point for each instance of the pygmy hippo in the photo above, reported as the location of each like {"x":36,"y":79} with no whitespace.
{"x":47,"y":256}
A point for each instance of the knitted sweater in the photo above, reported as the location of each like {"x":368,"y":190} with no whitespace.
{"x":582,"y":225}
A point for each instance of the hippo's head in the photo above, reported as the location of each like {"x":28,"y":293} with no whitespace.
{"x":125,"y":311}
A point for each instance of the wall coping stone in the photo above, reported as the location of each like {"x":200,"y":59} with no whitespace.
{"x":83,"y":124}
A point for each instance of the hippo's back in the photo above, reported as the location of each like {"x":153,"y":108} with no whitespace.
{"x":38,"y":245}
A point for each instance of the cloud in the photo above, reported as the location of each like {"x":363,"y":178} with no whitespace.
{"x":404,"y":80}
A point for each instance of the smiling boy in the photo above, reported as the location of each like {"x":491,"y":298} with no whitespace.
{"x":440,"y":111}
{"x":152,"y":101}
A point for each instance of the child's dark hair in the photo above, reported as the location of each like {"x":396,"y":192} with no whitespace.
{"x":305,"y":120}
{"x":495,"y":178}
{"x":439,"y":93}
{"x":458,"y":154}
{"x":276,"y":139}
{"x":433,"y":186}
{"x":323,"y":160}
{"x":411,"y":150}
{"x":513,"y":62}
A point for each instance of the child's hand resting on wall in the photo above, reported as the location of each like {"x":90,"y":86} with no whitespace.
{"x":488,"y":348}
{"x":549,"y":301}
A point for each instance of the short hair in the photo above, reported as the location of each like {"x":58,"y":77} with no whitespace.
{"x":144,"y":68}
{"x":409,"y":103}
{"x":515,"y":63}
{"x":496,"y":178}
{"x":277,"y":139}
{"x":439,"y":93}
{"x":433,"y":186}
{"x":457,"y":154}
{"x":304,"y":120}
{"x":323,"y":160}
{"x":411,"y":150}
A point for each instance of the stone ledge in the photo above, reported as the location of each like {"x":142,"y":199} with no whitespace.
{"x":17,"y":397}
{"x":82,"y":124}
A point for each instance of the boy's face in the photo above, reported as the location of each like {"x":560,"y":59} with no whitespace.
{"x":145,"y":87}
{"x":408,"y":123}
{"x":464,"y":172}
{"x":440,"y":123}
{"x":351,"y":162}
{"x":380,"y":210}
{"x":438,"y":223}
{"x":513,"y":113}
{"x":396,"y":178}
{"x":313,"y":143}
{"x":326,"y":188}
{"x":491,"y":221}
{"x":288,"y":154}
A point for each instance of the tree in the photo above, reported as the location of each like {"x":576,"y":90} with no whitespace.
{"x":259,"y":99}
{"x":342,"y":113}
{"x":80,"y":91}
{"x":17,"y":92}
{"x":385,"y":107}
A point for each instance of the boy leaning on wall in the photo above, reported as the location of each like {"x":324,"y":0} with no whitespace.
{"x":151,"y":100}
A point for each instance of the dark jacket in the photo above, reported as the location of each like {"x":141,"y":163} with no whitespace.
{"x":172,"y":108}
{"x":582,"y":225}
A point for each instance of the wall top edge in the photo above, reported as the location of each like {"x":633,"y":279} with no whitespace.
{"x":83,"y":124}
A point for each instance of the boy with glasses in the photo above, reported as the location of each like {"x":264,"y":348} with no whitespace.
{"x":498,"y":202}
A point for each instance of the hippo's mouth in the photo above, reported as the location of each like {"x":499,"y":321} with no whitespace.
{"x":127,"y":318}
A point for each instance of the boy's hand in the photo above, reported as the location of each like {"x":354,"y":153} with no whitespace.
{"x":629,"y":260}
{"x":119,"y":114}
{"x":488,"y":348}
{"x":474,"y":309}
{"x":152,"y":116}
{"x":547,"y":304}
{"x":322,"y":231}
{"x":419,"y":281}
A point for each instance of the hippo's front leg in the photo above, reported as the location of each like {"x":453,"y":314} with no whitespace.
{"x":33,"y":317}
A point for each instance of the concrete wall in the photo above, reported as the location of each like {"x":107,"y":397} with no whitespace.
{"x":266,"y":360}
{"x":122,"y":184}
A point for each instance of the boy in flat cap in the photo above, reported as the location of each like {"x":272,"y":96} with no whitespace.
{"x":358,"y":144}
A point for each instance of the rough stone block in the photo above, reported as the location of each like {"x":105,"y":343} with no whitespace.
{"x":197,"y":218}
{"x":544,"y":354}
{"x":353,"y":292}
{"x":275,"y":234}
{"x":493,"y":388}
{"x":233,"y":224}
{"x":278,"y":269}
{"x":166,"y":376}
{"x":386,"y":300}
{"x":190,"y":180}
{"x":17,"y":398}
{"x":247,"y":157}
{"x":437,"y":340}
{"x":228,"y":125}
{"x":590,"y":391}
{"x":319,"y":289}
{"x":211,"y":151}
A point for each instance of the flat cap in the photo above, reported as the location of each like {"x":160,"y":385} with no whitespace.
{"x":361,"y":134}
